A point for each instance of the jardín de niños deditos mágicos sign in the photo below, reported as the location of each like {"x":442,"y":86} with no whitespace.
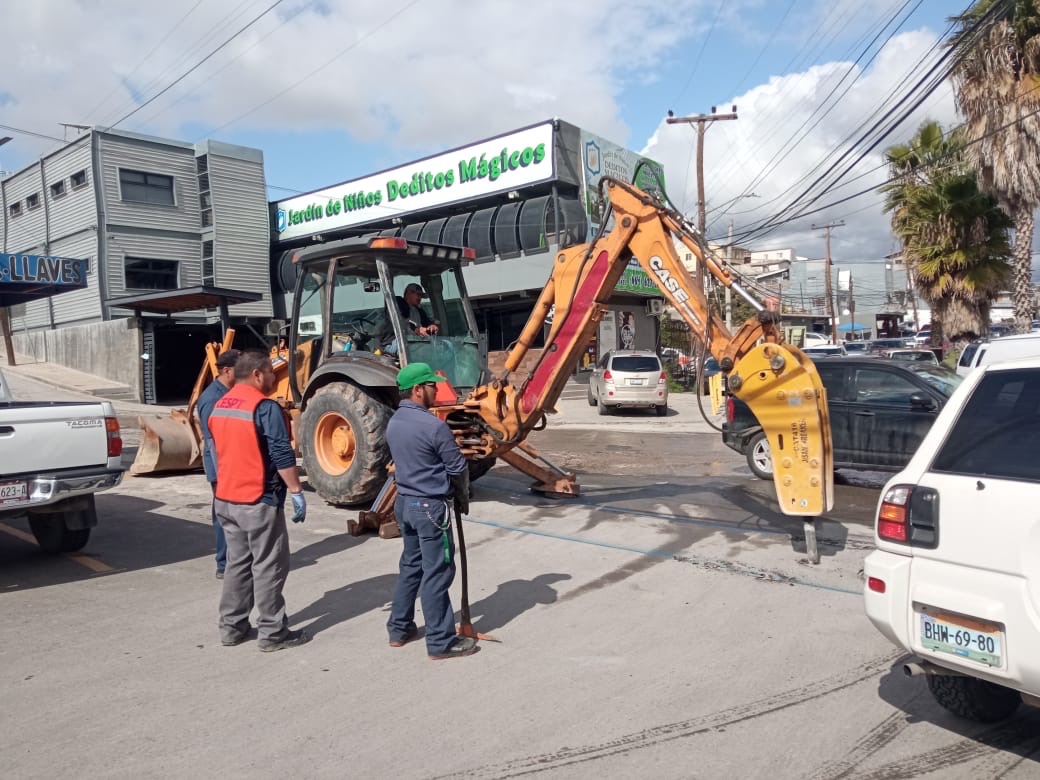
{"x":496,"y":165}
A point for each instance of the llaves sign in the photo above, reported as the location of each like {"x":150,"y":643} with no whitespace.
{"x":37,"y":270}
{"x":496,"y":165}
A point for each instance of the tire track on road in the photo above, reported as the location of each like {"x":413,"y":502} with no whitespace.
{"x":993,"y":744}
{"x":874,"y":740}
{"x":668,"y":732}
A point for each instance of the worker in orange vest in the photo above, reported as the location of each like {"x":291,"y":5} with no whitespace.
{"x":255,"y":465}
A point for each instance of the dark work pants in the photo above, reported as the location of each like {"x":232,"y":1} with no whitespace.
{"x":257,"y":566}
{"x":424,"y":571}
{"x":218,"y":534}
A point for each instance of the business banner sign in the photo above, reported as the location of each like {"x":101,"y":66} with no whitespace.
{"x":499,"y":164}
{"x":26,"y":277}
{"x":600,"y":158}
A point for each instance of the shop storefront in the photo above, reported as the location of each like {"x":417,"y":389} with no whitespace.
{"x":516,"y":199}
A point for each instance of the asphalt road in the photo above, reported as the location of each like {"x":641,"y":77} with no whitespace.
{"x":664,"y":624}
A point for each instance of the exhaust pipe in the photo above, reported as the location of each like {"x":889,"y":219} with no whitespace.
{"x":928,"y":669}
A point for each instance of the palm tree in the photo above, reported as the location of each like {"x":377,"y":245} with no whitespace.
{"x":996,"y":81}
{"x":955,"y":237}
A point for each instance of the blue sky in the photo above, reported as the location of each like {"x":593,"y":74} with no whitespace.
{"x":337,"y":89}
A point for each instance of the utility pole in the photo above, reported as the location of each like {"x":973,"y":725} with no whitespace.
{"x":827,"y":283}
{"x":729,"y":262}
{"x":852,"y":306}
{"x":701,"y":121}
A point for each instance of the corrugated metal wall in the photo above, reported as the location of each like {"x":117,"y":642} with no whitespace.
{"x":24,"y":230}
{"x":146,"y":230}
{"x":146,"y":157}
{"x":76,"y":209}
{"x":241,"y":230}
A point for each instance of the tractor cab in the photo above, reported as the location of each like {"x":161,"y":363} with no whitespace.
{"x":365,"y":307}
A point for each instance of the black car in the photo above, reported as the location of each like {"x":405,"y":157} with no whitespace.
{"x":880,"y":411}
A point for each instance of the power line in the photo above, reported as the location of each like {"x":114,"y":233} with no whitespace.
{"x":146,"y":57}
{"x":32,"y":133}
{"x":324,"y":65}
{"x":199,"y":64}
{"x":292,"y":15}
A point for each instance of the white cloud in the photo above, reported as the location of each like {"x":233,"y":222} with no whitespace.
{"x":778,"y":131}
{"x":437,"y":74}
{"x":441,"y":73}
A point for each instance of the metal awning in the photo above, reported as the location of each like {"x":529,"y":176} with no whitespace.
{"x":184,"y":299}
{"x":25,"y":278}
{"x":187,"y":299}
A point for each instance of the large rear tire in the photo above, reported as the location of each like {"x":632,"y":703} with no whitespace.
{"x":974,"y":699}
{"x":343,"y":442}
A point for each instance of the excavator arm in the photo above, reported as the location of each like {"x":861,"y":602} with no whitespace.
{"x":777,"y":381}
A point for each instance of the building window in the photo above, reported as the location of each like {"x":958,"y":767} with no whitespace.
{"x":32,"y":201}
{"x":208,"y":275}
{"x":150,"y":274}
{"x":58,"y":189}
{"x":143,"y":187}
{"x":15,"y":209}
{"x":78,"y":179}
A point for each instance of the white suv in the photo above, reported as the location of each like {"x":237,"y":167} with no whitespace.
{"x":955,"y":578}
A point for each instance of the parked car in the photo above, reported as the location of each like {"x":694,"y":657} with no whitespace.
{"x":923,"y":337}
{"x":912,"y":356}
{"x":629,"y":378}
{"x":812,"y":338}
{"x":983,"y":352}
{"x":824,"y":350}
{"x":856,"y":347}
{"x":878,"y":346}
{"x":880,"y":411}
{"x":954,"y":576}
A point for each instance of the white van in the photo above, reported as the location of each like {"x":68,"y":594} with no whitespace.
{"x":981,"y":353}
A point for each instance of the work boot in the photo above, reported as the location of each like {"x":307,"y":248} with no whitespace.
{"x":291,"y":639}
{"x":462,"y":646}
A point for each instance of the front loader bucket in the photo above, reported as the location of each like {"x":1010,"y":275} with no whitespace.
{"x":168,"y":443}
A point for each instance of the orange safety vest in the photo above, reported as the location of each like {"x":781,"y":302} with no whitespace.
{"x":240,"y":463}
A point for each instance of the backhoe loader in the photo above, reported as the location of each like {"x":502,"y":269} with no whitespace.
{"x":776,"y":380}
{"x":339,"y":386}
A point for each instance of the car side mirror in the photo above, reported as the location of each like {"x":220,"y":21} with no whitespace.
{"x":274,"y":328}
{"x":923,"y":402}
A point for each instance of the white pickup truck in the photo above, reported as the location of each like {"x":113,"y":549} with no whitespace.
{"x":54,"y":456}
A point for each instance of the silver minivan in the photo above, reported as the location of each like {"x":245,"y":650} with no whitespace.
{"x":629,"y":378}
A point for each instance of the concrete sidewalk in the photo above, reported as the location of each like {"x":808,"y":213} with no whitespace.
{"x":41,"y":381}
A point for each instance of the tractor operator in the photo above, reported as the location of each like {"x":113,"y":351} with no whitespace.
{"x":415,"y":317}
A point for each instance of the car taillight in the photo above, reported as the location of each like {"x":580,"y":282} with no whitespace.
{"x":662,"y":379}
{"x":115,"y":441}
{"x":731,"y":409}
{"x":607,"y":376}
{"x":909,"y":514}
{"x":876,"y":585}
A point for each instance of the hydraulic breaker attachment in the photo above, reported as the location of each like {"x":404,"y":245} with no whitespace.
{"x":781,"y":387}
